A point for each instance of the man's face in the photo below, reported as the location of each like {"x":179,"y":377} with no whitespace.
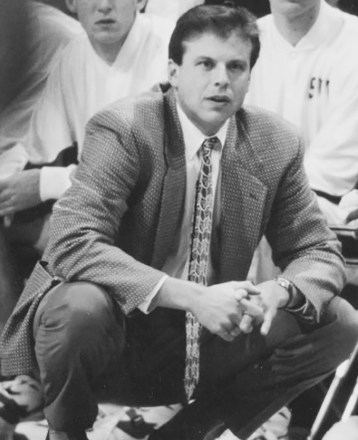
{"x":212,"y":80}
{"x":107,"y":22}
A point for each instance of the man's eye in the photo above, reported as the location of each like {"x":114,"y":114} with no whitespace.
{"x":206,"y":64}
{"x":237,"y":67}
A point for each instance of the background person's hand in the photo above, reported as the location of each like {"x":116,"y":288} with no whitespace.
{"x":349,"y":203}
{"x":19,"y":191}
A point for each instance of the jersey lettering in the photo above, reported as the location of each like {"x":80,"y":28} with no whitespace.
{"x":318,"y":86}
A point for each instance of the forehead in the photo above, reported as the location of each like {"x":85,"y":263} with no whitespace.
{"x":210,"y":44}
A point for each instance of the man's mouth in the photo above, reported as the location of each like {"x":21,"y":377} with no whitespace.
{"x":219,"y":99}
{"x":105,"y":21}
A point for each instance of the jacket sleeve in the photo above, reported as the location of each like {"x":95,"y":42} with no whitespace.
{"x":86,"y":220}
{"x":303,"y":246}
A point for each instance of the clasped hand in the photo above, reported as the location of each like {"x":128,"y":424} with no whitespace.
{"x":229,"y":309}
{"x":19,"y":191}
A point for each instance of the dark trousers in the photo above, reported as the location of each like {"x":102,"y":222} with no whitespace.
{"x":87,"y":349}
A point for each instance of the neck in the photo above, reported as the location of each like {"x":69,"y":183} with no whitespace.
{"x":295,"y":26}
{"x":108,"y":52}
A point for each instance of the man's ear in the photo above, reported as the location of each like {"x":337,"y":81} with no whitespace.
{"x":141,"y":4}
{"x":173,"y":73}
{"x":71,"y":6}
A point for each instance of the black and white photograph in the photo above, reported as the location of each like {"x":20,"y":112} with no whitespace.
{"x":178,"y":220}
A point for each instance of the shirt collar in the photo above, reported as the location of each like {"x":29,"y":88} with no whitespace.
{"x":193,"y":137}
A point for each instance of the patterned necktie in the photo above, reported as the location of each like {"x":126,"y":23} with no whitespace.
{"x":198,"y":260}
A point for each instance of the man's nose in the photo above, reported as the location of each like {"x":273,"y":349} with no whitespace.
{"x":104,"y":5}
{"x":221,"y":77}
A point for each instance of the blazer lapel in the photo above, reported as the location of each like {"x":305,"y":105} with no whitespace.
{"x":173,"y":194}
{"x":242,"y":202}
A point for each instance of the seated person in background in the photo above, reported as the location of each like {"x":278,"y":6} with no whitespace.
{"x":121,"y":53}
{"x":142,"y":288}
{"x":35,"y":41}
{"x":48,"y":31}
{"x":307,"y":74}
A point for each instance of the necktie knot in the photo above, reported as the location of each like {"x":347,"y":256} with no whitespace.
{"x":210,"y":144}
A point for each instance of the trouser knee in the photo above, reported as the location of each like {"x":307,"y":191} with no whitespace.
{"x":343,"y":319}
{"x":76,"y":318}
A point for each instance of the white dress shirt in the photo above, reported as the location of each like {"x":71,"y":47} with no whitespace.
{"x":177,"y":262}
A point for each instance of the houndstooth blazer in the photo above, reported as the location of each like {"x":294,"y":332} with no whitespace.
{"x":116,"y":224}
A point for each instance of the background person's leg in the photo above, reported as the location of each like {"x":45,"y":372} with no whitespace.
{"x":10,"y":282}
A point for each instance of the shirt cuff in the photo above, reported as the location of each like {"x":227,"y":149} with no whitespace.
{"x":145,"y":306}
{"x":305,"y":312}
{"x":54,"y":181}
{"x":301,"y":306}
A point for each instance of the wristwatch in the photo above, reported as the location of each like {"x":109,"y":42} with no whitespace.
{"x":286,"y":284}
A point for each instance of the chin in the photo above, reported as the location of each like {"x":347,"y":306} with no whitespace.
{"x":219,"y":120}
{"x":212,"y":125}
{"x":107,"y":37}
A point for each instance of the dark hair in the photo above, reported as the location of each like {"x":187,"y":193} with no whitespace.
{"x":218,"y":20}
{"x":257,"y":7}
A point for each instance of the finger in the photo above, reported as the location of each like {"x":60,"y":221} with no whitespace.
{"x":256,"y":298}
{"x":235,"y":318}
{"x":252,"y":308}
{"x":249,"y":287}
{"x":235,"y":331}
{"x":4,"y":197}
{"x":266,"y":325}
{"x":246,"y":324}
{"x":240,"y":294}
{"x":246,"y":286}
{"x":255,"y":301}
{"x":6,"y":204}
{"x":7,"y":220}
{"x":253,"y":290}
{"x":353,"y":215}
{"x":224,"y":334}
{"x":8,"y":211}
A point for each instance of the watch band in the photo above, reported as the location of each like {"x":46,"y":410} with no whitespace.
{"x":286,"y":284}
